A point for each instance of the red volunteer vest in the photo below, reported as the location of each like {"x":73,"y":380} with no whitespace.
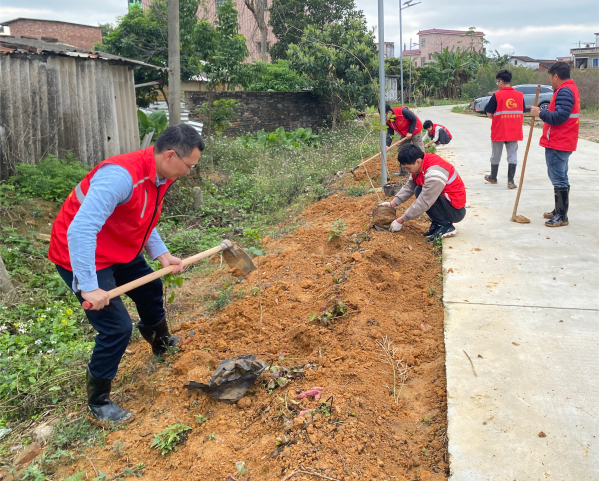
{"x":444,"y":128}
{"x":401,"y":125}
{"x":565,"y":136}
{"x":507,"y":119}
{"x":455,"y":190}
{"x":127,"y":229}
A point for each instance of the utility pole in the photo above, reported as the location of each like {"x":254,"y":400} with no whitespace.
{"x":410,"y":84}
{"x":407,"y":4}
{"x":381,"y":36}
{"x":174,"y":64}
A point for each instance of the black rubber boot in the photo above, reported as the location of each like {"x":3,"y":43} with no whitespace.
{"x":402,"y":172}
{"x":492,"y":178}
{"x":511,"y":171}
{"x":561,"y":208}
{"x":101,"y":408}
{"x":159,"y":338}
{"x":551,"y":215}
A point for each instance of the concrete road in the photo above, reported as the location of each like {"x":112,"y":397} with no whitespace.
{"x":522,"y":300}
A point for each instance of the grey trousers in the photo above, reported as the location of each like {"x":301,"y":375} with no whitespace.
{"x":511,"y":149}
{"x":416,"y":140}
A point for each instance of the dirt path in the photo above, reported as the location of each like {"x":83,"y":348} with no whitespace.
{"x":391,"y":287}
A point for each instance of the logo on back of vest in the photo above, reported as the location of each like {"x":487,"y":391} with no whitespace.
{"x":511,"y":104}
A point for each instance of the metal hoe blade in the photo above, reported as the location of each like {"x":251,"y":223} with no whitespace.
{"x":238,"y":260}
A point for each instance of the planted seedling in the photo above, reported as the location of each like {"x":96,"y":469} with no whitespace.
{"x":337,"y":228}
{"x":200,"y":418}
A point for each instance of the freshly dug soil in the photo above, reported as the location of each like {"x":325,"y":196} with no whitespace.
{"x":321,"y":307}
{"x":383,"y":215}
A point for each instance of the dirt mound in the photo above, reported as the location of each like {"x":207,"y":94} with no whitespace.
{"x":319,"y":311}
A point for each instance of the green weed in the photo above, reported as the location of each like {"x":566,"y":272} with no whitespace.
{"x":357,"y":190}
{"x":169,"y":439}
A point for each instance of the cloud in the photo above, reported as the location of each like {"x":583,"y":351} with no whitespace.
{"x":506,"y":46}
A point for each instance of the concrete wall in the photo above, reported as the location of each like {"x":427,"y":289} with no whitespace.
{"x":265,"y":110}
{"x":82,"y":36}
{"x":54,"y":105}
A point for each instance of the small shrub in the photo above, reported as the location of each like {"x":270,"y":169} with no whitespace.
{"x":51,"y":179}
{"x":156,"y":122}
{"x":169,"y":439}
{"x":299,"y":138}
{"x":337,"y":228}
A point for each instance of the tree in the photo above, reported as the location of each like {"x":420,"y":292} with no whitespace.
{"x":258,"y":9}
{"x":142,"y":35}
{"x":6,"y":287}
{"x":274,"y":77}
{"x":223,"y":65}
{"x":289,"y":19}
{"x":340,"y":62}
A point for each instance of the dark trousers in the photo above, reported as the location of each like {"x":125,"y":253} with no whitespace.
{"x":443,"y":138}
{"x":113,"y":322}
{"x":442,"y":212}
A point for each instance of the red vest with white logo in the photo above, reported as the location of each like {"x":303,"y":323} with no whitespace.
{"x":454,"y":190}
{"x":400,"y":124}
{"x":507,"y":119}
{"x":126,"y":231}
{"x":564,"y":136}
{"x":444,"y":128}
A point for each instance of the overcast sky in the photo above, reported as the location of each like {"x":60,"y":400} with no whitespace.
{"x":542,"y":30}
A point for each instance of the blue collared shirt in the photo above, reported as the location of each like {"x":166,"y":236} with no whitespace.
{"x":110,"y":187}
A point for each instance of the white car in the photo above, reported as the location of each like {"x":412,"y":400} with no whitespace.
{"x":529,"y":91}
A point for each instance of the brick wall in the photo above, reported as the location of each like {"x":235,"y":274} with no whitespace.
{"x":265,"y":110}
{"x":82,"y":36}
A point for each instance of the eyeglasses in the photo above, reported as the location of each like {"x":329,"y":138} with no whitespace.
{"x":190,"y":167}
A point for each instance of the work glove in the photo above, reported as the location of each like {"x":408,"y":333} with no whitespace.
{"x":386,"y":204}
{"x":395,"y":226}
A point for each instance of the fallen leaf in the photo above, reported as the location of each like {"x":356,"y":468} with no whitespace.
{"x":515,"y":344}
{"x":542,"y":435}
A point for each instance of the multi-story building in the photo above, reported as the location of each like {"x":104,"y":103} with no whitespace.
{"x":436,"y":40}
{"x":248,"y":27}
{"x":389,"y":51}
{"x":586,"y":56}
{"x":75,"y":34}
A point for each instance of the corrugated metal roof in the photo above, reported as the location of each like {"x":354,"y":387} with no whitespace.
{"x":449,"y":32}
{"x":33,"y":46}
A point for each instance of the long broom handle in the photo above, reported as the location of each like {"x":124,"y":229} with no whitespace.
{"x":378,"y":153}
{"x":532,"y":126}
{"x":119,"y":291}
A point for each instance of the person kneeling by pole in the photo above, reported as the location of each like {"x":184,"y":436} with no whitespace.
{"x":438,"y":134}
{"x":439,"y":191}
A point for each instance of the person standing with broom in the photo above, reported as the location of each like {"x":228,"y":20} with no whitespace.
{"x":560,"y":138}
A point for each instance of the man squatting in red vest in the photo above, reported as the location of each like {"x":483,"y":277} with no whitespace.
{"x":506,"y":108}
{"x":437,"y":133}
{"x":439,"y":192}
{"x":97,"y":242}
{"x":560,"y":138}
{"x":405,"y":122}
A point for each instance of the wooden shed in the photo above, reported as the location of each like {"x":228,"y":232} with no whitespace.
{"x":56,"y":99}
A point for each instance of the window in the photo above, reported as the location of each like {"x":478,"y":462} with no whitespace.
{"x":423,"y":42}
{"x":526,"y":90}
{"x":422,"y":61}
{"x":596,"y":62}
{"x":430,"y":56}
{"x":220,"y":2}
{"x":546,"y":90}
{"x":515,"y":62}
{"x":259,"y":47}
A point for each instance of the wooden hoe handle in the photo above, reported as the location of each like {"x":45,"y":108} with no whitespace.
{"x":226,"y":244}
{"x":532,"y":126}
